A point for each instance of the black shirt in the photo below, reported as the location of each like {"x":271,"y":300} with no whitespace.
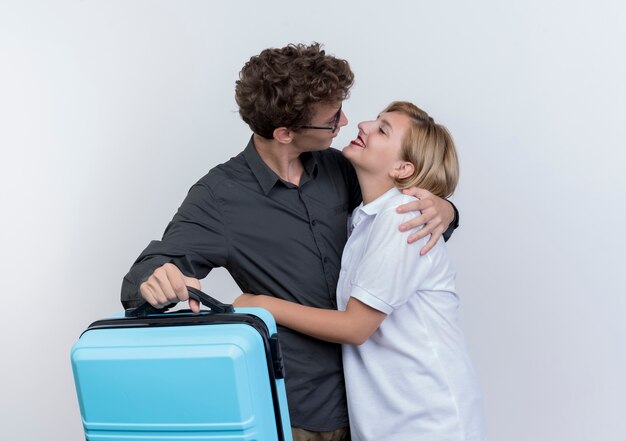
{"x":274,"y":238}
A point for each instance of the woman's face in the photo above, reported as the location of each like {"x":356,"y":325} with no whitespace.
{"x":376,"y":149}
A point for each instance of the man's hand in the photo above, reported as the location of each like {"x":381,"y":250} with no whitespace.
{"x":168,"y":284}
{"x":437,"y":215}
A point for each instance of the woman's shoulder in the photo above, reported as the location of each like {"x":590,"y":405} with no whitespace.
{"x":394,"y":200}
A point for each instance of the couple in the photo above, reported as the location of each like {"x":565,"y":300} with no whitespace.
{"x":275,"y":216}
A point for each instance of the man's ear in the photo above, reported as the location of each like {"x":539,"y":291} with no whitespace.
{"x":283,"y":135}
{"x":402,"y":169}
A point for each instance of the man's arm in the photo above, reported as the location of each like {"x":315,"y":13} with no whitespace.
{"x":352,"y":326}
{"x":193,"y":243}
{"x":439,"y":217}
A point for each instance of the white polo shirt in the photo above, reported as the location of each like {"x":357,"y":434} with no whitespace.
{"x":412,"y":380}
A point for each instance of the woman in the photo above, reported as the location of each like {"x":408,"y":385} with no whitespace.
{"x":407,"y":371}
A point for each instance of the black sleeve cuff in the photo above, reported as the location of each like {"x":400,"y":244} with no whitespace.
{"x":453,"y":226}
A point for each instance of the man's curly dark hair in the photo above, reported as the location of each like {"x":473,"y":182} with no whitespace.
{"x":279,"y":87}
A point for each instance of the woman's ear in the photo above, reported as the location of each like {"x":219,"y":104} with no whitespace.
{"x":402,"y":169}
{"x":283,"y":135}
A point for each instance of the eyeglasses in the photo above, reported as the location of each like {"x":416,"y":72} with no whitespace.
{"x":332,"y":128}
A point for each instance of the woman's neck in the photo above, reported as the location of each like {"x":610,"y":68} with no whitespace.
{"x":373,"y":186}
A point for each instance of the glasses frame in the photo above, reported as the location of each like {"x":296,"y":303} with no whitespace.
{"x":332,"y":128}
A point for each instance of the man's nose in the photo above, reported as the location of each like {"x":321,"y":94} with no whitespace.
{"x":343,"y":119}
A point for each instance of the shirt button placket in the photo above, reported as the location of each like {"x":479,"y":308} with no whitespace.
{"x":319,"y":242}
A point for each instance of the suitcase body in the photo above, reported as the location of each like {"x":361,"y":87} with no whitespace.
{"x":182,"y":376}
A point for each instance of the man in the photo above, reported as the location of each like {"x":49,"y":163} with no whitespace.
{"x":275,"y":217}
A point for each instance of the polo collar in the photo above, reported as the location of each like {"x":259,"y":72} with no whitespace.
{"x":377,"y":204}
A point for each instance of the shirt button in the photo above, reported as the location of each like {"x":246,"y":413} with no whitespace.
{"x":325,"y":259}
{"x":313,"y":222}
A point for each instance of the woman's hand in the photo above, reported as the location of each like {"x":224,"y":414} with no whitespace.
{"x":437,"y":215}
{"x":246,"y":300}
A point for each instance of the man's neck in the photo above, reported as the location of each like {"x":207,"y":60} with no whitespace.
{"x":283,"y":159}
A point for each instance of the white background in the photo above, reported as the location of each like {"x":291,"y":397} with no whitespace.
{"x":110,"y":110}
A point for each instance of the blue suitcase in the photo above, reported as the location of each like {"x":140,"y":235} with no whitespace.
{"x":179,"y":376}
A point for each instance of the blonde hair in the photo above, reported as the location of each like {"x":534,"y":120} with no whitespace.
{"x":430,"y":148}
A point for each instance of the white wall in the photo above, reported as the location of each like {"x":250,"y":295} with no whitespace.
{"x":110,"y":110}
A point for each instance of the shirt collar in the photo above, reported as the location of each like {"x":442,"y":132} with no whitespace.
{"x":374,"y":207}
{"x":266,"y":176}
{"x":309,"y":161}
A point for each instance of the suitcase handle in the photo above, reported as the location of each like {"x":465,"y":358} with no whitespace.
{"x":208,"y":301}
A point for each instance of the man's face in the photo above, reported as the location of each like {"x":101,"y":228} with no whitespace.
{"x":318,"y":134}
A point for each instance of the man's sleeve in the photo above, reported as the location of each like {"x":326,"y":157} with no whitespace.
{"x":454,"y":225}
{"x":195,"y":241}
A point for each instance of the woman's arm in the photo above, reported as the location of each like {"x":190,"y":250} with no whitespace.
{"x":352,"y":326}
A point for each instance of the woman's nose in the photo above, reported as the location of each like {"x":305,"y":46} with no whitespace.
{"x":364,"y":125}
